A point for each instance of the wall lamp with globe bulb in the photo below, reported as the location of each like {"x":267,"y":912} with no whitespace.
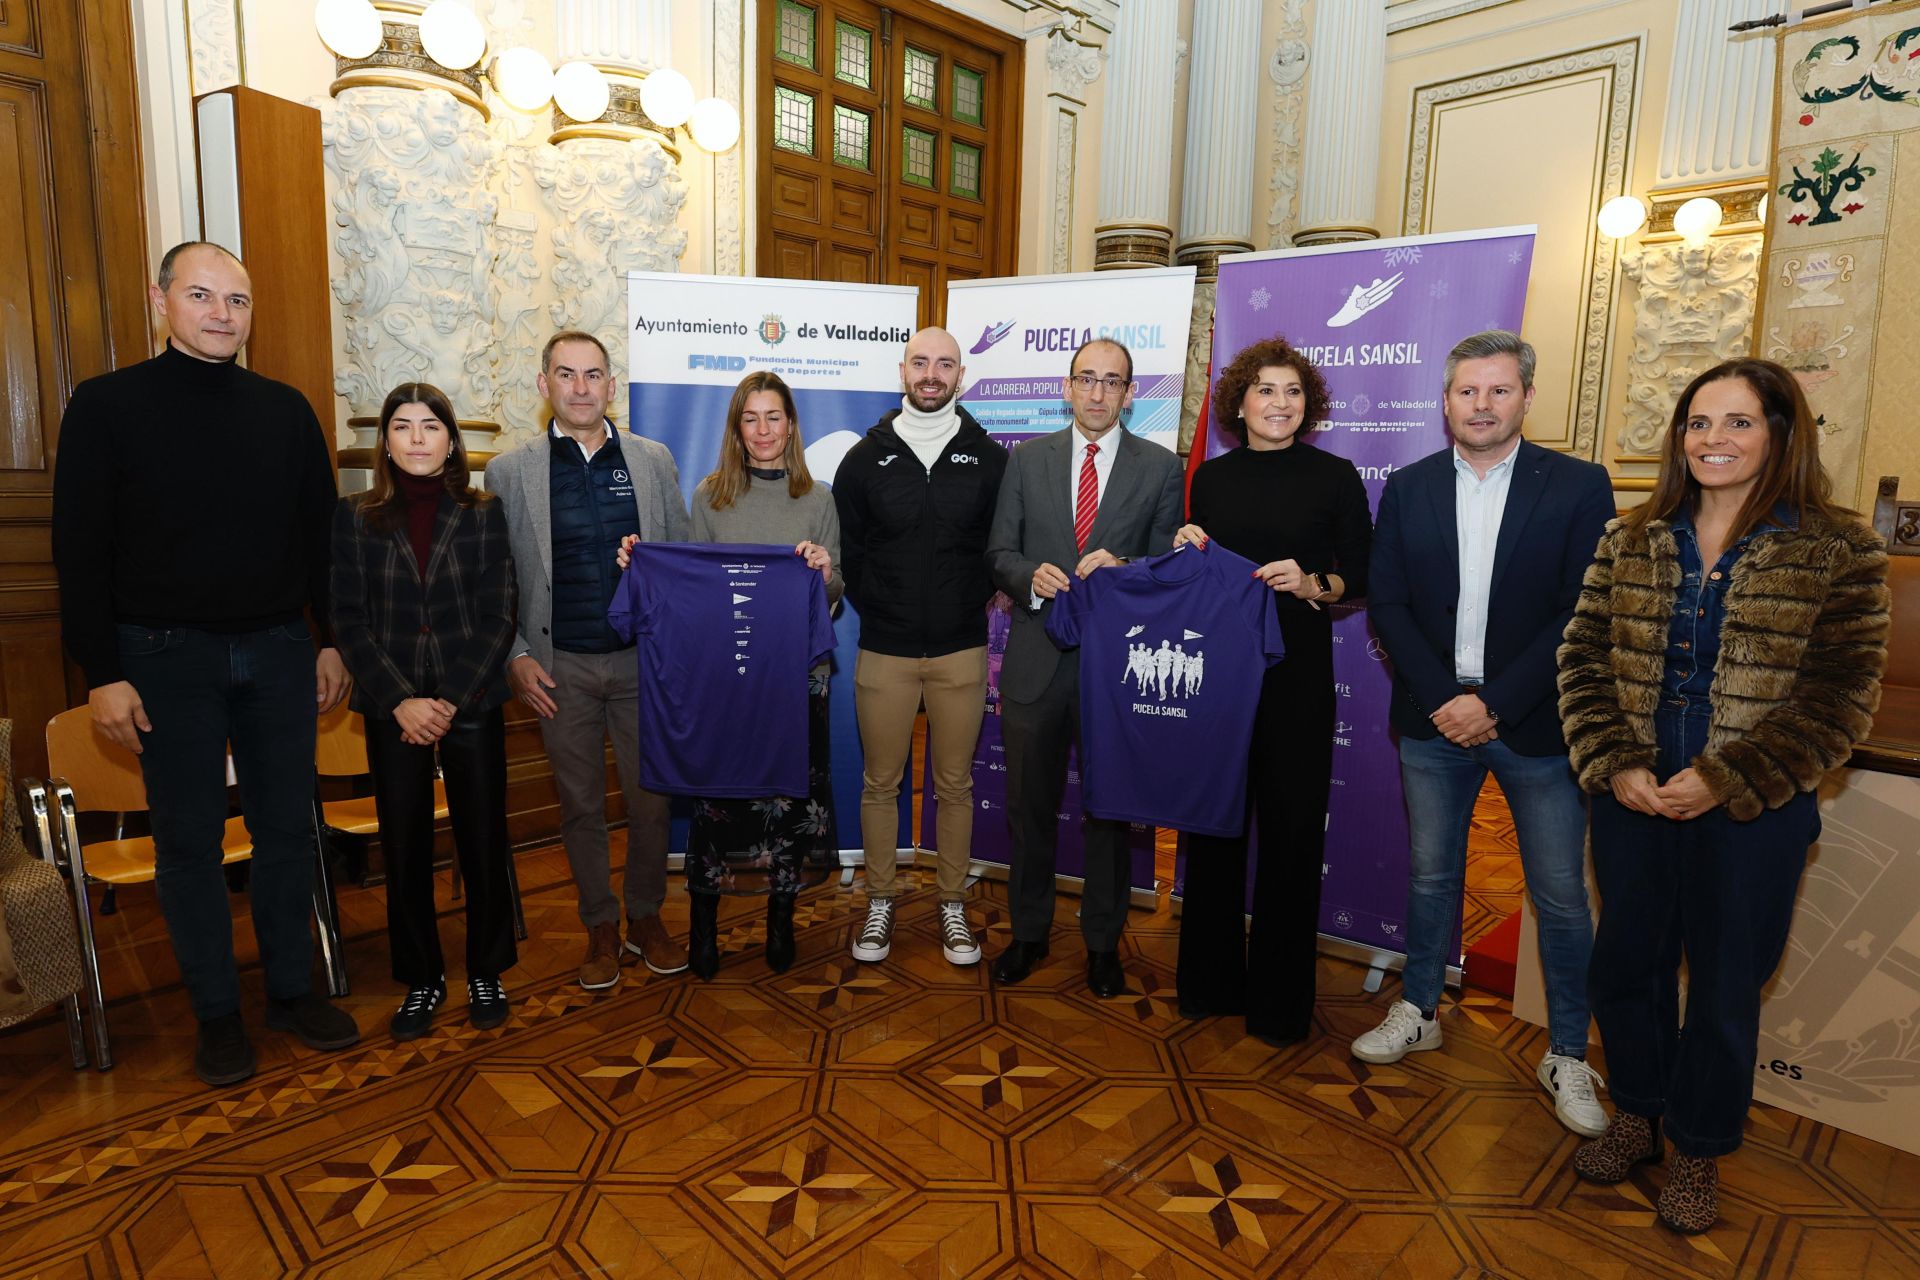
{"x":453,"y":36}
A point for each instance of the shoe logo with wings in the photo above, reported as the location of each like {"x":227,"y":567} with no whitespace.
{"x":1365,"y":298}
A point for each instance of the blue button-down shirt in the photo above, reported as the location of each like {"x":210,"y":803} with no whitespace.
{"x":1699,"y":607}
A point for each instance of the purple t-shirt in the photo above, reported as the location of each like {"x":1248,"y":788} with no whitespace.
{"x":1172,"y":652}
{"x":727,"y":634}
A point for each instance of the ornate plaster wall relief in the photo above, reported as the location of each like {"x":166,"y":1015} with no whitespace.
{"x":1694,"y":308}
{"x":729,"y":183}
{"x":214,"y":38}
{"x":414,"y":216}
{"x":615,"y":208}
{"x":1072,"y":67}
{"x":1287,"y":69}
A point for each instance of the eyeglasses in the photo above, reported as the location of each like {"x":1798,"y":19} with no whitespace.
{"x":1086,"y":382}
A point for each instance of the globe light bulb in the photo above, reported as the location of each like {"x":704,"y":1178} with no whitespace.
{"x":350,"y":28}
{"x":1696,"y":219}
{"x":452,"y":34}
{"x":667,"y":98}
{"x":581,"y":91}
{"x":523,"y":77}
{"x":715,"y":125}
{"x":1621,"y":216}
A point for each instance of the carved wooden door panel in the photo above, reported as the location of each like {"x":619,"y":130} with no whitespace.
{"x":889,"y":146}
{"x":71,"y":304}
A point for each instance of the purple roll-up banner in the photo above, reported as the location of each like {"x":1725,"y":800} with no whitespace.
{"x":1377,"y":318}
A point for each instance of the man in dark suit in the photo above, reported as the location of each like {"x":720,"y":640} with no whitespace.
{"x":1477,"y":560}
{"x":1081,"y":499}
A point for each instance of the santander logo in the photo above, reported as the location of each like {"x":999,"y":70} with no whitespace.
{"x":990,"y":335}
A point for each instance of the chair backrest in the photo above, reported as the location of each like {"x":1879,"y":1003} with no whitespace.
{"x":1898,"y":521}
{"x":102,"y":775}
{"x":340,"y":746}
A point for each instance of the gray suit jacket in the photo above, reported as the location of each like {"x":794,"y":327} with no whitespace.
{"x":520,"y":480}
{"x":1033,"y":525}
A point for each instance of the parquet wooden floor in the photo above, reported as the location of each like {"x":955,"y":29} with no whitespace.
{"x":846,"y":1120}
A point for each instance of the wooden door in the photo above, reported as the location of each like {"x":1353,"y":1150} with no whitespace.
{"x":72,"y":303}
{"x":889,"y":145}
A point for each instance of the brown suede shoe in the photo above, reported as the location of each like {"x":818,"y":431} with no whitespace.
{"x":1690,"y":1202}
{"x":647,"y":938}
{"x":602,"y":967}
{"x":1628,"y":1141}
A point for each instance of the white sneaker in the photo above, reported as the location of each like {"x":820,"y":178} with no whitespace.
{"x":1405,"y":1031}
{"x":1573,"y":1083}
{"x":876,"y":935}
{"x":956,"y":938}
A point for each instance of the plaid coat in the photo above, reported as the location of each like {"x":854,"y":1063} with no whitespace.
{"x":441,"y":634}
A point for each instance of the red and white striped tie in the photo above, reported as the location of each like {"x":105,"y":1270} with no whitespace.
{"x":1088,"y":503}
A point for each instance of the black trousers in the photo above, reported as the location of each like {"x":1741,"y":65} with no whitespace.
{"x":473,"y":757}
{"x":1267,"y":974}
{"x":1037,"y":736}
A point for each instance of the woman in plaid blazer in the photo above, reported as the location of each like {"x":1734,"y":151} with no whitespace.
{"x":423,"y":596}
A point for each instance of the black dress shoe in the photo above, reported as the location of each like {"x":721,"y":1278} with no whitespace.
{"x":1104,"y":974}
{"x":1017,"y":961}
{"x":703,"y":935}
{"x":314,"y":1022}
{"x":224,"y":1055}
{"x":779,"y":932}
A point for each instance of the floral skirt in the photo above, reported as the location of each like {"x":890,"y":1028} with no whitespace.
{"x":774,"y":844}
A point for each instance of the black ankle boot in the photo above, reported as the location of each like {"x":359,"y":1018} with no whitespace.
{"x":779,"y":931}
{"x":703,"y":935}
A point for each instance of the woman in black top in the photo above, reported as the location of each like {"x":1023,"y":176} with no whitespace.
{"x":1302,"y":516}
{"x":423,"y":595}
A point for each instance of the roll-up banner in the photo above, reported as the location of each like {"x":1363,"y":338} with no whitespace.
{"x":1017,"y":337}
{"x":692,"y":338}
{"x":1377,"y":318}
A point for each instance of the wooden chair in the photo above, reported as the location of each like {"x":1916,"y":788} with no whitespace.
{"x":1894,"y":745}
{"x":89,"y":774}
{"x":340,"y":751}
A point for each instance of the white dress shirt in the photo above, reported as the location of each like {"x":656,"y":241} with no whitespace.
{"x":553,"y":430}
{"x":1478,"y":505}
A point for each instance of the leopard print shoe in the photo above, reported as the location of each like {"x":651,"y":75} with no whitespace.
{"x":1690,"y":1202}
{"x":1628,"y":1141}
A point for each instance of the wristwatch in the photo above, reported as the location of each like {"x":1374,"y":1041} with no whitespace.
{"x":1320,"y":580}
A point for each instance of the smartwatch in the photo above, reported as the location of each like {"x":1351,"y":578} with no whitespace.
{"x":1320,"y":580}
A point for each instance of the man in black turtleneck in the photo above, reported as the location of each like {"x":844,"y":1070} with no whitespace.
{"x":191,"y":506}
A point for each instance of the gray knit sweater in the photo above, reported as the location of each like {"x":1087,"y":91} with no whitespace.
{"x":766,"y":514}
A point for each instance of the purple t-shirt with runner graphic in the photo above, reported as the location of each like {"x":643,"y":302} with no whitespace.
{"x":726,"y":635}
{"x":1172,"y":652}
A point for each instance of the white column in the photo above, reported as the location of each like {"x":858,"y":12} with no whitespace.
{"x":1216,"y":188}
{"x":626,"y":33}
{"x":1340,"y":167}
{"x":1136,"y":142}
{"x":1720,"y":97}
{"x":1216,"y":191}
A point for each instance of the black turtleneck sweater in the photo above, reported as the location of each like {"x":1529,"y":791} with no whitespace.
{"x":187,"y":494}
{"x":1298,"y":503}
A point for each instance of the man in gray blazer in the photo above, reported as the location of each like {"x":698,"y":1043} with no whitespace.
{"x":1084,"y":498}
{"x":569,"y":498}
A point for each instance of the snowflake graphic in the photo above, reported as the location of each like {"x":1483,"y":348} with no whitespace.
{"x":1259,"y":299}
{"x":1438,"y":289}
{"x":1401,"y":256}
{"x":1514,"y":256}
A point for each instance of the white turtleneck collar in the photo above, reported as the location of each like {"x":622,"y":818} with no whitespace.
{"x":927,"y":433}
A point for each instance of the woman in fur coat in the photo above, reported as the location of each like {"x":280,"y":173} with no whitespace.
{"x":1725,"y":654}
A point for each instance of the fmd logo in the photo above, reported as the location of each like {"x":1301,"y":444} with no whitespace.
{"x":698,"y":361}
{"x":773,"y":330}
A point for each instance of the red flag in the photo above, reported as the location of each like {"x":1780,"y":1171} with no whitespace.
{"x":1197,"y":453}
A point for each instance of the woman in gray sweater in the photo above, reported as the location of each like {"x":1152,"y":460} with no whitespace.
{"x":762,"y":493}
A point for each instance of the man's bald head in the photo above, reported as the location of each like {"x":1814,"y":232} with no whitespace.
{"x":931,"y":372}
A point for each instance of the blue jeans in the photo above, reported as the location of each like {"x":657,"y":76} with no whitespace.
{"x":1721,"y":893}
{"x":200,"y":690}
{"x":1550,"y":816}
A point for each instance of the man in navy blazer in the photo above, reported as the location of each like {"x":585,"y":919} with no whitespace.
{"x":1477,"y":560}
